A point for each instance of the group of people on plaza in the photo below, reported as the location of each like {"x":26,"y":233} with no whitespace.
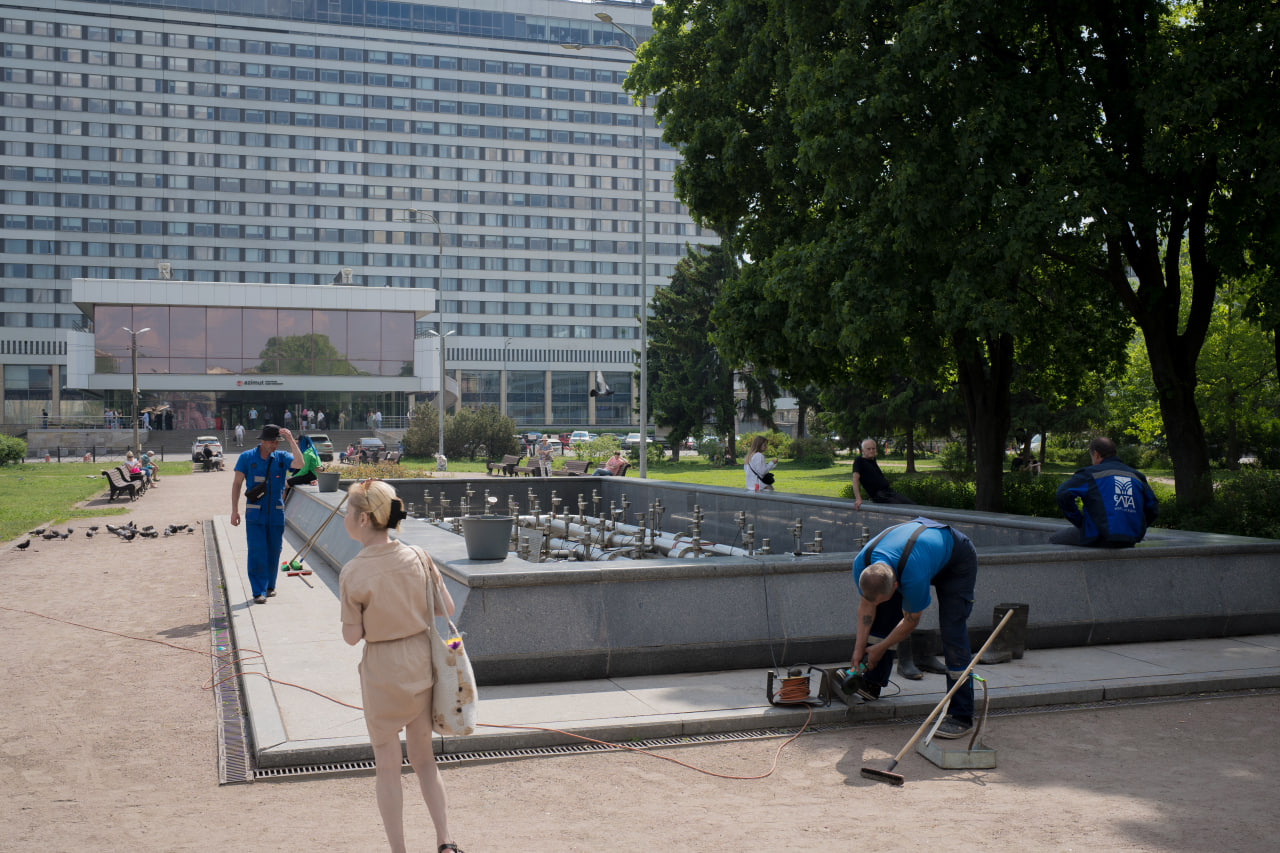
{"x":387,"y":590}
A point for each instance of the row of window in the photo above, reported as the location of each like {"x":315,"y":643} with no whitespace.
{"x":22,"y":221}
{"x":31,"y":320}
{"x":123,"y":83}
{"x":600,"y":35}
{"x":36,"y":198}
{"x":332,"y":121}
{"x":369,"y":260}
{"x":183,"y":251}
{"x":398,"y":151}
{"x":210,"y":183}
{"x":76,"y":104}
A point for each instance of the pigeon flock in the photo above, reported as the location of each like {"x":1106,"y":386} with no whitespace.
{"x":127,"y":532}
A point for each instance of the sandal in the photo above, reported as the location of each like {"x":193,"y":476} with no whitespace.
{"x":449,"y":846}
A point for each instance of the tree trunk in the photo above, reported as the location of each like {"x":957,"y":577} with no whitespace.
{"x":911,"y":449}
{"x":985,"y":373}
{"x":1173,"y":370}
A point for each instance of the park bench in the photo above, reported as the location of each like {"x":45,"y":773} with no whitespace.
{"x":529,"y":469}
{"x":576,"y":468}
{"x":506,"y":467}
{"x":128,"y":475}
{"x":120,"y":483}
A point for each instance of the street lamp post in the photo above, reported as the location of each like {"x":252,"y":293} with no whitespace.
{"x":416,"y":215}
{"x":133,"y":349}
{"x":644,"y":244}
{"x":442,"y":381}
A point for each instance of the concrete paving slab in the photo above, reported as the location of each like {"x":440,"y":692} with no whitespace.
{"x":298,"y":636}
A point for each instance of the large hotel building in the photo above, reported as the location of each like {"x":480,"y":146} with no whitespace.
{"x":234,"y":174}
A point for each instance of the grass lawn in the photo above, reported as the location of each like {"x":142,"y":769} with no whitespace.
{"x":41,"y":494}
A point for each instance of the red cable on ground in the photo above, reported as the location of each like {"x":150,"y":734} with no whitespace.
{"x":249,"y":654}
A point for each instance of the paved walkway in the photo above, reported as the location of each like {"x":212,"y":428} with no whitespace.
{"x":298,"y":634}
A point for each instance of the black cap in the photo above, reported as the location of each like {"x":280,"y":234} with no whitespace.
{"x":270,"y":432}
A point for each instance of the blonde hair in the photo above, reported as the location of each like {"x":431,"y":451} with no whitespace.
{"x":876,"y":581}
{"x":757,"y":445}
{"x":375,"y":498}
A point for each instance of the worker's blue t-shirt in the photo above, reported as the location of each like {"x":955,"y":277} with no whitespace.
{"x":930,"y":553}
{"x":254,"y":467}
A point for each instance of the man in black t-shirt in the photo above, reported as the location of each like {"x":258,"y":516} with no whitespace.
{"x":867,"y":474}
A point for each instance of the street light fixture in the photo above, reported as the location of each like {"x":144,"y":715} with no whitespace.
{"x":644,"y":239}
{"x":417,"y":215}
{"x":133,"y":348}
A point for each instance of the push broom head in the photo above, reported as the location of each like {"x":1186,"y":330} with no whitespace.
{"x":883,"y":776}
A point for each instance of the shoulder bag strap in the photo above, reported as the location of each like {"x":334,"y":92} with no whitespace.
{"x":436,"y":602}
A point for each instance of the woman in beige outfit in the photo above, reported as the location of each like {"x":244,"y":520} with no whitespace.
{"x":387,"y":603}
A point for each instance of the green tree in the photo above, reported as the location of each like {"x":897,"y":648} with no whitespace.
{"x":467,"y":430}
{"x":689,"y":384}
{"x":422,"y":438}
{"x":893,"y":214}
{"x":977,"y":178}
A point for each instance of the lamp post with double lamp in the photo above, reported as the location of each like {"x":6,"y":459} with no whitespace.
{"x":417,"y":215}
{"x":644,"y":240}
{"x":133,"y":350}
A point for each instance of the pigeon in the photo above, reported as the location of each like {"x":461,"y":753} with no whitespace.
{"x":70,"y":530}
{"x":88,"y":534}
{"x":50,"y":535}
{"x":37,"y":531}
{"x":599,"y":388}
{"x":22,"y":546}
{"x":94,"y":528}
{"x":66,"y":535}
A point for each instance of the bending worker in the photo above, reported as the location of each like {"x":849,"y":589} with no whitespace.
{"x":894,"y":572}
{"x":266,"y":466}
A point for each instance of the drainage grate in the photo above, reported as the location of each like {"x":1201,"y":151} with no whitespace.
{"x":367,"y":766}
{"x":234,"y":760}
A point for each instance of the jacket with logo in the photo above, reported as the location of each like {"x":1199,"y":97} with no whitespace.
{"x":1118,"y":505}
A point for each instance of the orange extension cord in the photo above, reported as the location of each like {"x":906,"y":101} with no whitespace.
{"x":793,"y":689}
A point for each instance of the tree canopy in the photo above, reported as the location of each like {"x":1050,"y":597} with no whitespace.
{"x":997,"y":187}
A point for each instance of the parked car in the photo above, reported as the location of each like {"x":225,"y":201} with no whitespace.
{"x":632,"y":441}
{"x":564,"y":439}
{"x":203,"y":441}
{"x":579,"y":437}
{"x":324,"y":447}
{"x":371,"y":449}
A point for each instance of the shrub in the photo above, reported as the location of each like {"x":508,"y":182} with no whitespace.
{"x":1246,"y":505}
{"x":12,"y":449}
{"x":1027,"y":494}
{"x":954,"y":460}
{"x":598,"y":449}
{"x":936,"y":491}
{"x":778,"y":444}
{"x":710,"y":447}
{"x":813,"y":451}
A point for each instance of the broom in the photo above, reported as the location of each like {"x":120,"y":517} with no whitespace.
{"x":896,"y":778}
{"x":294,"y":566}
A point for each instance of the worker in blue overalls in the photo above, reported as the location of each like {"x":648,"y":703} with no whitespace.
{"x":265,"y":469}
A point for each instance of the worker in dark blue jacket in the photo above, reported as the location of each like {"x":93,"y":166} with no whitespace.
{"x":1108,"y":503}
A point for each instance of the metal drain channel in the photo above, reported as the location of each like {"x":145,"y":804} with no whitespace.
{"x":367,"y":766}
{"x":235,"y":764}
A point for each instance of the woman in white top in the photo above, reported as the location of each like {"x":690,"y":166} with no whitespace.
{"x":757,"y":466}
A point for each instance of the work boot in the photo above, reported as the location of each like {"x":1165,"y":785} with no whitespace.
{"x":923,"y":645}
{"x":906,"y":662}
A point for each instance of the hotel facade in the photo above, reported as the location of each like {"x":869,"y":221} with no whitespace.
{"x":200,"y":151}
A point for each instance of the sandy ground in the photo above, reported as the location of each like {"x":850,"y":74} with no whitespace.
{"x":107,"y":743}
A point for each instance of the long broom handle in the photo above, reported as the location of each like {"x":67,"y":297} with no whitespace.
{"x":945,"y":699}
{"x":306,"y":546}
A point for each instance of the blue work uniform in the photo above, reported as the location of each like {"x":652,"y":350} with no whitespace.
{"x":264,"y":520}
{"x":945,"y":559}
